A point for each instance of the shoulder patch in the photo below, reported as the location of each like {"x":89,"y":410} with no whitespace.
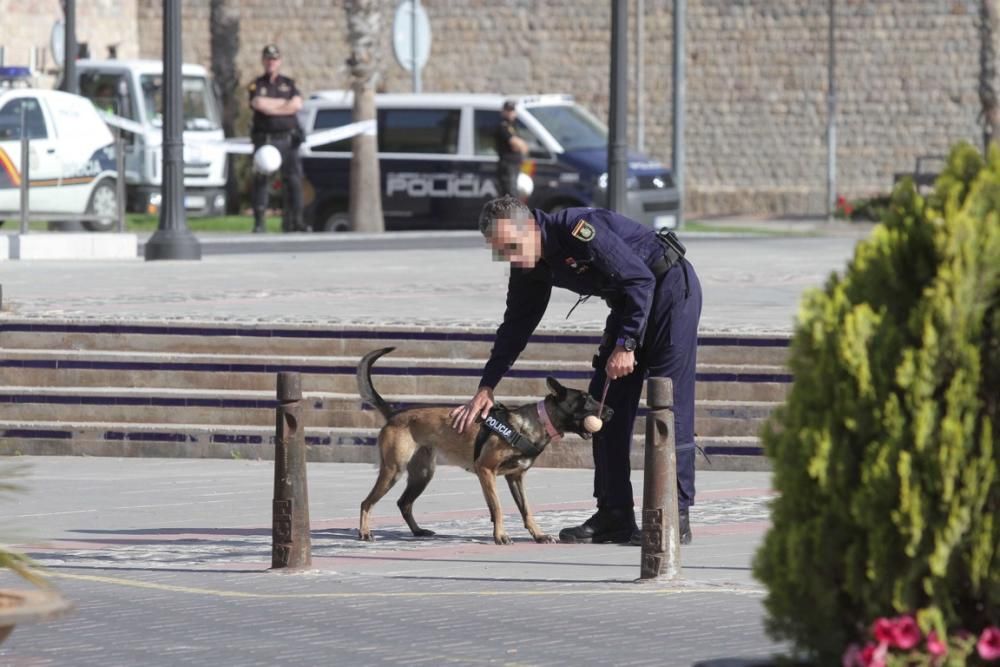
{"x":584,"y":231}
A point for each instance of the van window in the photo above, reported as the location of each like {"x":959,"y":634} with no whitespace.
{"x":418,"y":130}
{"x":108,"y":92}
{"x":329,"y":118}
{"x":486,"y":132}
{"x":10,"y":120}
{"x":572,"y":126}
{"x":486,"y":129}
{"x":197,"y":102}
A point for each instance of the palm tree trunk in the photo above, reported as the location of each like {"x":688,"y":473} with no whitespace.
{"x":987,"y":72}
{"x":365,"y":206}
{"x":224,"y":29}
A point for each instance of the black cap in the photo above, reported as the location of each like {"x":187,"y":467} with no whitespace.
{"x":509,"y":105}
{"x":270,"y":52}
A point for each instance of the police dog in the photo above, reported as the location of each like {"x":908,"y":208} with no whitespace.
{"x":411,"y":438}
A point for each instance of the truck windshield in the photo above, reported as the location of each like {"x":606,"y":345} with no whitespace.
{"x":200,"y":112}
{"x":572,"y":126}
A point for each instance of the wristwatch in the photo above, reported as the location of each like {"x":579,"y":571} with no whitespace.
{"x":628,"y":343}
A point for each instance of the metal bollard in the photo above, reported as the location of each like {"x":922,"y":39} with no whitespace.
{"x":291,"y":545}
{"x":661,"y":547}
{"x":25,"y":167}
{"x":119,"y":181}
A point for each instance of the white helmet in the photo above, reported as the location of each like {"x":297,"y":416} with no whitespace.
{"x":267,"y":159}
{"x":525,"y":185}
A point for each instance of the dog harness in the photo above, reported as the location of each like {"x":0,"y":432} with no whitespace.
{"x":496,"y":423}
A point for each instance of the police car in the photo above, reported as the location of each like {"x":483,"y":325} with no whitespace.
{"x":438,"y":162}
{"x":71,"y":156}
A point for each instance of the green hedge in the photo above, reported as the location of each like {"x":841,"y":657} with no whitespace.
{"x":885,"y":455}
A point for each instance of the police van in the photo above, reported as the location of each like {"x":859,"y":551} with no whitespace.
{"x":438,"y":161}
{"x":133,"y":89}
{"x":71,"y":157}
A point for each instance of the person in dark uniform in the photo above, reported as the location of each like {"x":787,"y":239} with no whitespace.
{"x":275,"y":100}
{"x":655,"y":300}
{"x":511,"y":150}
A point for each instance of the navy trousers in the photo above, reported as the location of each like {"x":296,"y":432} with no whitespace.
{"x":669,"y":349}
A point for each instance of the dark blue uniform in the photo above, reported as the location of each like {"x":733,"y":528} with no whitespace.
{"x":284,"y":133}
{"x":598,"y":252}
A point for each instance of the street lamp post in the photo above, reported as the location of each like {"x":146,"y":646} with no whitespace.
{"x":173,"y":239}
{"x":831,"y":116}
{"x":618,"y":112}
{"x":679,"y":85}
{"x":70,"y":84}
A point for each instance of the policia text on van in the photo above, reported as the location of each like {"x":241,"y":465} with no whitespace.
{"x":438,"y":160}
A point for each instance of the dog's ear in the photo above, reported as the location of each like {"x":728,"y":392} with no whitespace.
{"x":557,"y":389}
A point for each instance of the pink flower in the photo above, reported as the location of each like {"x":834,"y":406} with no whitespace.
{"x":872,"y":655}
{"x":905,"y":633}
{"x":935,"y":646}
{"x":989,"y":644}
{"x":879,"y":655}
{"x":882,"y":630}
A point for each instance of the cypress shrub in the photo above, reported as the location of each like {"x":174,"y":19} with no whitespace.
{"x":885,"y":454}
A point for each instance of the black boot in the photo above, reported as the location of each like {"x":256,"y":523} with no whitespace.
{"x":685,"y":528}
{"x":258,"y":223}
{"x":606,"y":525}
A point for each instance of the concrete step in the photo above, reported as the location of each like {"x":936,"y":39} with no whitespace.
{"x":403,"y":375}
{"x":256,"y":408}
{"x":288,"y":339}
{"x":324,"y":444}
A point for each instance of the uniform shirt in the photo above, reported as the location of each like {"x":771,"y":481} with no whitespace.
{"x":589,"y":251}
{"x":506,"y":130}
{"x":283,"y":88}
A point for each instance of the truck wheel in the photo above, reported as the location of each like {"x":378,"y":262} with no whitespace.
{"x":103,"y":201}
{"x":337,"y":221}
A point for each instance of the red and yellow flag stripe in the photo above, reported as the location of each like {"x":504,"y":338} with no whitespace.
{"x":8,"y":166}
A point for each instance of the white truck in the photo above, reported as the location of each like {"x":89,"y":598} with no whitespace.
{"x":133,"y":89}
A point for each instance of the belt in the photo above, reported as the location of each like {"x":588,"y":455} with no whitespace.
{"x":268,"y":136}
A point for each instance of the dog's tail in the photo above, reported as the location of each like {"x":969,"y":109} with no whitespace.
{"x":365,"y":387}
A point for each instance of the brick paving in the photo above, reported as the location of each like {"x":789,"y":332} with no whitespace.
{"x":167,"y":563}
{"x":750,"y":285}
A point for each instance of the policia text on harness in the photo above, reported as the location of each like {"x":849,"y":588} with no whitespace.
{"x":496,"y":424}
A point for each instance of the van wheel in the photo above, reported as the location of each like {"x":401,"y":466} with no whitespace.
{"x":103,"y":201}
{"x":337,"y":221}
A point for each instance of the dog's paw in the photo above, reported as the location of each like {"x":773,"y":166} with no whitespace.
{"x":423,"y":532}
{"x":545,"y":539}
{"x":366,"y":537}
{"x":503,"y":538}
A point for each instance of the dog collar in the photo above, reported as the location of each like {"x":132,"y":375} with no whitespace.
{"x":550,"y":428}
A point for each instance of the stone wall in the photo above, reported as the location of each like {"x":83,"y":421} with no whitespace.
{"x":27,"y":24}
{"x":756,"y":115}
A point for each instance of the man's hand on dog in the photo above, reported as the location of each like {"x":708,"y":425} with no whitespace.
{"x":620,"y":363}
{"x":465,"y":416}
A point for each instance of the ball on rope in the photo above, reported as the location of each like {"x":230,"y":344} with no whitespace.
{"x":267,"y":159}
{"x":593,"y":423}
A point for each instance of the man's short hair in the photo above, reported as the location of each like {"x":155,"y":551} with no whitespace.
{"x":501,"y":208}
{"x":509,"y":105}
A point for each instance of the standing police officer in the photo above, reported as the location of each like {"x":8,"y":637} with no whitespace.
{"x":275,"y":101}
{"x":511,"y":149}
{"x":655,"y":300}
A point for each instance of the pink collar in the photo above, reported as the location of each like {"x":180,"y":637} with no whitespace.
{"x":550,"y":429}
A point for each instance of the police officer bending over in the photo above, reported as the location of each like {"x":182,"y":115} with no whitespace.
{"x":655,"y":300}
{"x":275,"y":101}
{"x":511,"y":149}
